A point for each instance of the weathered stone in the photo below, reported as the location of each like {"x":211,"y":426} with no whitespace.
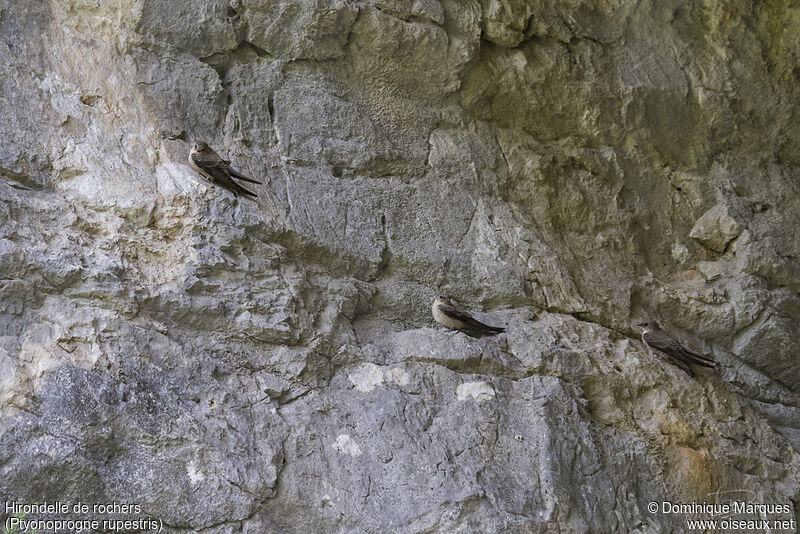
{"x":198,"y":28}
{"x":309,"y":29}
{"x":716,"y":228}
{"x":564,"y":170}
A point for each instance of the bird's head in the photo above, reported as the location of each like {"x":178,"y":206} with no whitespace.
{"x":442,"y":299}
{"x":200,"y":146}
{"x":649,"y":325}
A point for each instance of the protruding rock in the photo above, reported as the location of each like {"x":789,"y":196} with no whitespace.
{"x":716,"y":228}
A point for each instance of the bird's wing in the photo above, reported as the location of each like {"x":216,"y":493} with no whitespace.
{"x":236,"y":174}
{"x":698,"y":359}
{"x":461,"y":316}
{"x":454,"y":313}
{"x":669,"y":345}
{"x":214,"y":166}
{"x":219,"y":173}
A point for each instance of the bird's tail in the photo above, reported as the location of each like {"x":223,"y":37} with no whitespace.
{"x":486,"y":330}
{"x":242,"y":190}
{"x":686,"y":368}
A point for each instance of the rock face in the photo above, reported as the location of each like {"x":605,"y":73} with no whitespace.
{"x":565,"y":169}
{"x":716,"y":229}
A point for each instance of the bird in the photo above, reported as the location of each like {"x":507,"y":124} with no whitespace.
{"x":446,"y":313}
{"x":655,"y":338}
{"x":204,"y":160}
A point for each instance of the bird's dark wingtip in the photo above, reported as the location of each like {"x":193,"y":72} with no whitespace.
{"x":699,"y":359}
{"x":491,"y":331}
{"x":244,"y":191}
{"x":239,"y":176}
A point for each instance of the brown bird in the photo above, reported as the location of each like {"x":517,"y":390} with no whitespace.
{"x":208,"y":163}
{"x":446,"y":313}
{"x":657,"y":339}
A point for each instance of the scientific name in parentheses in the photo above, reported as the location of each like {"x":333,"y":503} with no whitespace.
{"x":56,"y":507}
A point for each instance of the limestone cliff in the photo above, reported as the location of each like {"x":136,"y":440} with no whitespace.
{"x":567,"y":169}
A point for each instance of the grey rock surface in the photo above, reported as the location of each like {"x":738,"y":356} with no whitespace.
{"x":716,"y":228}
{"x":566,"y":170}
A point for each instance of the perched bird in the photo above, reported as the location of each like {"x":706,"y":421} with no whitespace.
{"x":446,"y":313}
{"x":657,"y":339}
{"x":208,"y":163}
